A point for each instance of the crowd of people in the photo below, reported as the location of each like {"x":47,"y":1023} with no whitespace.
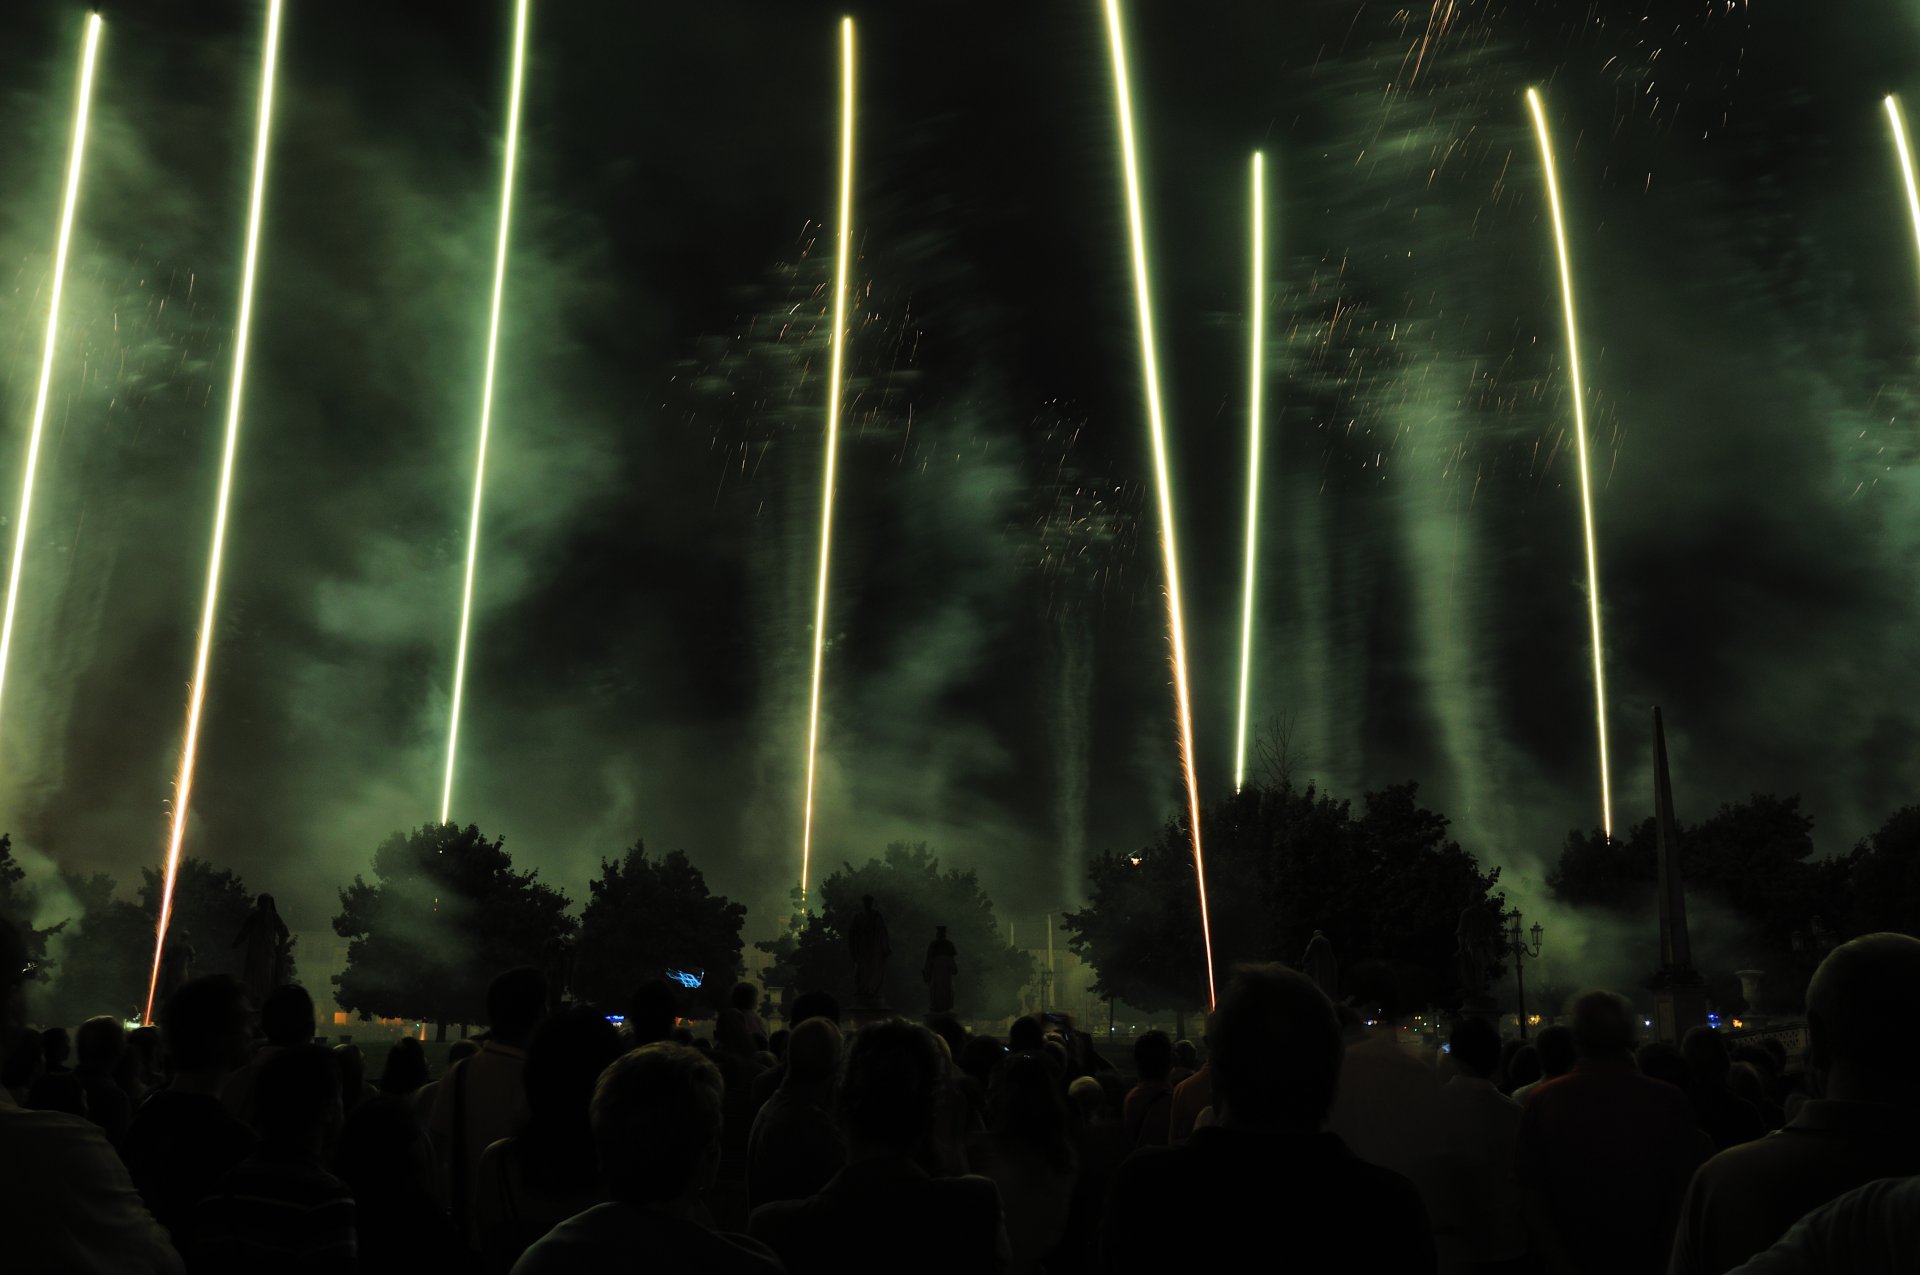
{"x":227,"y":1140}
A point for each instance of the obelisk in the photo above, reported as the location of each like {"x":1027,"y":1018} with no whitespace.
{"x":1680,"y":995}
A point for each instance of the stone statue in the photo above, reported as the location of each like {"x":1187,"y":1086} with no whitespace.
{"x":942,"y":963}
{"x":266,"y":941}
{"x":867,"y":940}
{"x":1317,"y":963}
{"x":1477,"y":943}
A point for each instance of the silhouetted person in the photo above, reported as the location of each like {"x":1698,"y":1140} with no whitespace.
{"x":263,"y":937}
{"x":484,"y":1098}
{"x":1387,"y":1104}
{"x":287,"y":1019}
{"x":139,"y":1073}
{"x":740,"y":1065}
{"x":183,"y":1140}
{"x":66,"y":1203}
{"x":938,"y":970}
{"x":1191,"y":1096}
{"x":802,"y":1007}
{"x":386,"y":1161}
{"x":1553,"y":1050}
{"x":279,"y":1210}
{"x":652,"y":1012}
{"x":746,"y":998}
{"x":1476,"y":1211}
{"x":795,"y":1146}
{"x":26,"y":1060}
{"x":1027,"y":1151}
{"x":889,"y":1089}
{"x":351,"y":1061}
{"x":57,"y":1088}
{"x":423,"y":1098}
{"x":98,"y":1046}
{"x":1863,"y":1037}
{"x":1026,"y":1034}
{"x":1605,"y":1152}
{"x":1149,"y":1107}
{"x":1662,"y":1060}
{"x":1266,"y":1179}
{"x":656,"y":1124}
{"x":545,"y":1174}
{"x":1871,"y":1230}
{"x":1726,"y":1119}
{"x":405,"y":1069}
{"x":1523,"y":1068}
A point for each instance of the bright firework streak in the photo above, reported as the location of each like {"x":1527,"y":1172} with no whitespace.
{"x":1256,"y":356}
{"x":83,"y":99}
{"x":1150,"y":371}
{"x":183,"y":790}
{"x":486,"y":396}
{"x":833,"y":435}
{"x":1580,"y":433}
{"x":1906,"y":164}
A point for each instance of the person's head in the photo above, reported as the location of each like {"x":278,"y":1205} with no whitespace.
{"x":1744,"y":1081}
{"x":100,"y":1042}
{"x":204,"y":1024}
{"x":1662,"y":1060}
{"x":1186,"y":1054}
{"x":1276,"y":1051}
{"x":461,"y":1050}
{"x":265,"y":903}
{"x":516,"y":1002}
{"x":1026,"y":1034}
{"x":731,"y":1034}
{"x":287,"y":1017}
{"x":406,"y":1067}
{"x":813,"y":1005}
{"x":1524,"y":1067}
{"x":1863,"y":1019}
{"x":813,"y":1057}
{"x":352,"y":1064}
{"x":981,"y":1058}
{"x":866,"y":901}
{"x":1603,"y":1025}
{"x":297,"y":1099}
{"x":56,"y":1044}
{"x":746,"y":997}
{"x":949,"y":1029}
{"x":777,"y":1043}
{"x":652,"y":1011}
{"x":1707,"y":1057}
{"x":889,"y":1084}
{"x":1555,"y":1050}
{"x":25,"y":1060}
{"x":1502,"y":1074}
{"x":383,"y":1152}
{"x":1028,"y":1108}
{"x":1153,"y":1056}
{"x":1776,"y":1050}
{"x":656,"y":1119}
{"x":1088,"y":1098}
{"x":564,"y":1060}
{"x":1474,"y":1046}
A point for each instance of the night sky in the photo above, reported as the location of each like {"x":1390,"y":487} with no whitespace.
{"x":996,"y":679}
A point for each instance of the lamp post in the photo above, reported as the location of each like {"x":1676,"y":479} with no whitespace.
{"x":1522,"y":951}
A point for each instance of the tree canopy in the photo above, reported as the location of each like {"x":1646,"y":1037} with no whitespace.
{"x":645,"y":916}
{"x":446,"y":913}
{"x":18,"y":905}
{"x":1885,"y":870}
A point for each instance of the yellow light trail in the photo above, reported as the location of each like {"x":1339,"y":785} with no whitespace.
{"x":1150,"y":372}
{"x":1256,"y":355}
{"x":83,"y":99}
{"x":1905,"y":151}
{"x":1580,"y":432}
{"x":486,"y":397}
{"x":183,"y":789}
{"x":839,"y":340}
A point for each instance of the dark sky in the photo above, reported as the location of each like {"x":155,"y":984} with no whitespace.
{"x":996,"y":681}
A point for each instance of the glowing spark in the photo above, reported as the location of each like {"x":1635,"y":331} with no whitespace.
{"x":82,"y":100}
{"x":1256,"y":355}
{"x":1150,"y":371}
{"x":486,"y":396}
{"x":1906,"y":164}
{"x":1580,"y":433}
{"x":833,"y":434}
{"x":183,"y":790}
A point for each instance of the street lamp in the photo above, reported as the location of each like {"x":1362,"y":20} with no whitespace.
{"x":1518,"y":945}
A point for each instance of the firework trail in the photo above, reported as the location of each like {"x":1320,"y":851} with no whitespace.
{"x":1150,"y":371}
{"x":486,"y":397}
{"x":83,"y":99}
{"x":1905,"y":151}
{"x":1578,"y":388}
{"x":1256,"y":358}
{"x":183,"y":790}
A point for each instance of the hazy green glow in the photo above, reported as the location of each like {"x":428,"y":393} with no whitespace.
{"x":1905,"y":151}
{"x":83,"y":99}
{"x":1150,"y":370}
{"x":486,"y":397}
{"x":839,"y":341}
{"x":183,"y":790}
{"x":1580,"y":431}
{"x":1256,"y":356}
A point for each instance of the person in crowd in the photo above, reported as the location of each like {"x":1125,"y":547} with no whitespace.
{"x":57,"y":1088}
{"x":888,"y":1093}
{"x":183,"y":1140}
{"x":1149,"y":1108}
{"x":279,"y":1210}
{"x":139,"y":1073}
{"x":354,"y":1089}
{"x":1863,"y":1035}
{"x":979,"y":1064}
{"x":801,"y":1008}
{"x":387,"y":1163}
{"x":1554,"y":1049}
{"x":795,"y":1146}
{"x":66,"y":1202}
{"x":484,"y":1098}
{"x":746,"y":999}
{"x":405,"y":1069}
{"x":739,"y":1063}
{"x":1027,"y":1150}
{"x":545,"y":1174}
{"x":26,"y":1061}
{"x":1191,"y":1096}
{"x":653,"y":1012}
{"x":1186,"y":1061}
{"x":1726,"y":1119}
{"x":1027,"y":1034}
{"x":1768,"y":1061}
{"x":1662,"y":1060}
{"x":424,"y":1097}
{"x":286,"y":1019}
{"x":1523,"y":1068}
{"x":98,"y":1047}
{"x":656,"y":1119}
{"x":1384,"y":1109}
{"x":1604,"y":1152}
{"x":1871,"y":1230}
{"x":1476,"y":1211}
{"x":1503,"y":1075}
{"x":1267,"y":1174}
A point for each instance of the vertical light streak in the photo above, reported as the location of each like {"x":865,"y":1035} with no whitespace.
{"x":183,"y":790}
{"x":839,"y":341}
{"x":1580,"y":432}
{"x":1905,"y":151}
{"x":83,"y":99}
{"x":1256,"y":355}
{"x":1150,"y":372}
{"x":486,"y":397}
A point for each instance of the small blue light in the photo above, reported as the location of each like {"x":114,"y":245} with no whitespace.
{"x":688,"y":978}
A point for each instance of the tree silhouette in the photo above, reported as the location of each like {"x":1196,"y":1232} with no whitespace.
{"x":645,"y":916}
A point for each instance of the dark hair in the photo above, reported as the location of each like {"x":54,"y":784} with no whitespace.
{"x":1554,"y":1045}
{"x":1524,"y":1067}
{"x":1025,"y":1034}
{"x":1661,"y":1060}
{"x":813,"y":1055}
{"x":1863,"y":1004}
{"x":777,"y":1042}
{"x":516,"y":1001}
{"x":286,"y":1017}
{"x":656,"y":1116}
{"x":744,"y":996}
{"x":1153,"y":1056}
{"x":1474,"y":1046}
{"x":1027,"y":1109}
{"x":813,"y":1005}
{"x":352,"y":1064}
{"x":949,"y":1029}
{"x":100,"y":1042}
{"x":200,"y":1018}
{"x":461,"y":1050}
{"x":1602,"y":1023}
{"x":22,"y":1058}
{"x":981,"y":1058}
{"x":383,"y":1152}
{"x":889,"y":1084}
{"x":564,"y":1060}
{"x":406,"y":1067}
{"x":1707,"y":1057}
{"x":1276,"y":1049}
{"x":57,"y":1044}
{"x":652,"y":1011}
{"x":1186,"y":1054}
{"x":298,"y":1089}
